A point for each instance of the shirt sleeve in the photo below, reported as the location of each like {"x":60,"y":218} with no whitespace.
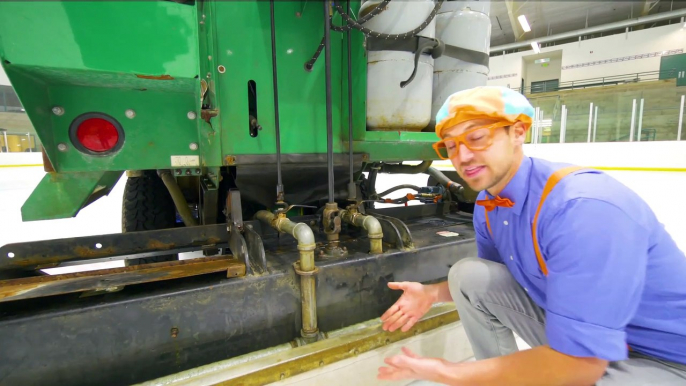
{"x":484,"y":243}
{"x":596,"y":256}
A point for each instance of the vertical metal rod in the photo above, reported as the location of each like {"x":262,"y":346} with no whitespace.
{"x":633,"y":119}
{"x":28,"y":136}
{"x":595,"y":122}
{"x":640,"y":120}
{"x":329,"y":119}
{"x":534,"y":132}
{"x":678,"y":133}
{"x":563,"y":123}
{"x":7,"y":145}
{"x":279,"y":181}
{"x":352,"y":191}
{"x":590,"y":121}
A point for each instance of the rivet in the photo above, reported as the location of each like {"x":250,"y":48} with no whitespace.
{"x":188,"y":172}
{"x":130,"y":114}
{"x":197,"y":171}
{"x":209,"y":57}
{"x":191,"y":115}
{"x":221,"y":69}
{"x":62,"y":146}
{"x":58,"y":110}
{"x":177,"y":172}
{"x":193,"y":146}
{"x":174,"y":332}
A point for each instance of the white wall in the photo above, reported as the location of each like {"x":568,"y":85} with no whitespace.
{"x":538,"y":72}
{"x":507,"y":69}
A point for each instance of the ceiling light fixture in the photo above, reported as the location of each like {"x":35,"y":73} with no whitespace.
{"x":536,"y":48}
{"x":524,"y":23}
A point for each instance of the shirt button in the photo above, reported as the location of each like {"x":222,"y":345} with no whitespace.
{"x":505,"y":222}
{"x":511,"y":257}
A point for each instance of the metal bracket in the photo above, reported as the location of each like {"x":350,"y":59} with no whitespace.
{"x":237,"y":243}
{"x":258,"y":258}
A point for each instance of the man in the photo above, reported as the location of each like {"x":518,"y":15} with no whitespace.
{"x":581,"y":269}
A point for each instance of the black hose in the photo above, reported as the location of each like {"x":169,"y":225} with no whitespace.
{"x":329,"y":118}
{"x":279,"y":184}
{"x":396,"y":188}
{"x":377,"y":10}
{"x":406,"y":169}
{"x":352,"y":192}
{"x":449,"y":184}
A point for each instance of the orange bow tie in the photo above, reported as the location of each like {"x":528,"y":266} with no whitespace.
{"x":491,"y":203}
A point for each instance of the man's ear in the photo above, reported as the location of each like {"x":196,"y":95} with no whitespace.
{"x":518,"y":132}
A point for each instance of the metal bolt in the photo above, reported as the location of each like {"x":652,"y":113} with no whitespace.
{"x":209,"y":57}
{"x":188,"y":172}
{"x":283,"y":376}
{"x":221,"y":69}
{"x":209,"y":75}
{"x":321,"y":363}
{"x":58,"y":110}
{"x":174,"y":332}
{"x":62,"y":146}
{"x":191,"y":115}
{"x":130,"y":113}
{"x":177,"y":172}
{"x":197,"y":171}
{"x":193,"y":146}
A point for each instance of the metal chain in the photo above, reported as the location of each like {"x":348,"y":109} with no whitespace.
{"x":369,"y":32}
{"x":377,"y":10}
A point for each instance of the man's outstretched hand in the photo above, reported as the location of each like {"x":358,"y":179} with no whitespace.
{"x":415,"y":301}
{"x":409,"y":365}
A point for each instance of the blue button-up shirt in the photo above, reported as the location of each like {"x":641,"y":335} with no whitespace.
{"x":615,"y":276}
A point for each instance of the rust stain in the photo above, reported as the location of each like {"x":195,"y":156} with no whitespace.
{"x":81,"y":251}
{"x":155,"y":77}
{"x":156,"y":244}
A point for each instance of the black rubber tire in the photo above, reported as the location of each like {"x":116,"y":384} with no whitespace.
{"x":147,"y":205}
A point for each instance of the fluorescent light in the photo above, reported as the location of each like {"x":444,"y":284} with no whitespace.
{"x":524,"y":23}
{"x":535,"y":46}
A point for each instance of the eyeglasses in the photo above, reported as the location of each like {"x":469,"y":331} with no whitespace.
{"x":476,"y":139}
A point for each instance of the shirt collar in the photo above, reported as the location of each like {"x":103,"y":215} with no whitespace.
{"x":517,"y":190}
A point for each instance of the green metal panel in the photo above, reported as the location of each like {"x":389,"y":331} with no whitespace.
{"x":677,"y":63}
{"x":62,"y":195}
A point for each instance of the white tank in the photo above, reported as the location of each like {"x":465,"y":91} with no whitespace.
{"x":390,"y":107}
{"x":463,"y":24}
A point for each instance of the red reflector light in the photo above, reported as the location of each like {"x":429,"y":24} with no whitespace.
{"x":97,"y":134}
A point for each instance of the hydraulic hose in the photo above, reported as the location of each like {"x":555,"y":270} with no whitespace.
{"x":396,"y":188}
{"x":177,"y":196}
{"x":449,"y":184}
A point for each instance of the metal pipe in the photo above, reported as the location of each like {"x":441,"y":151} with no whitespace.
{"x":563,"y":123}
{"x":640,"y":120}
{"x":370,"y":224}
{"x":681,"y":119}
{"x":305,"y":267}
{"x":592,"y":30}
{"x":178,"y":198}
{"x":352,"y":191}
{"x":279,"y":182}
{"x":595,"y":122}
{"x":329,"y":118}
{"x":633,"y":119}
{"x":590,"y":121}
{"x":406,"y":169}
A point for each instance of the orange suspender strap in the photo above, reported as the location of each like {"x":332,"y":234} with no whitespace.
{"x":549,"y":185}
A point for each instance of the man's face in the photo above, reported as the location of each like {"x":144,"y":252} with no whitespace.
{"x":485,"y":169}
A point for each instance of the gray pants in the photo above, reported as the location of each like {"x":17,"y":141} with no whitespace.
{"x":492,"y":305}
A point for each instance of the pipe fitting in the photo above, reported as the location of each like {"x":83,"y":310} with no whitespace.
{"x":368,"y":223}
{"x":305,"y":267}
